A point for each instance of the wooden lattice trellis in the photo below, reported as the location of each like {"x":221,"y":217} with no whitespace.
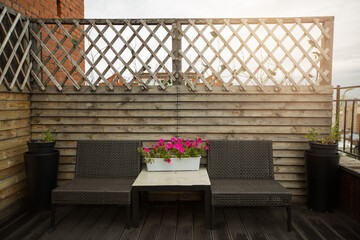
{"x":15,"y":64}
{"x":227,"y":52}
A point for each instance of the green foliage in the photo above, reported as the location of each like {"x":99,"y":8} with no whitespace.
{"x":334,"y":135}
{"x":48,"y":137}
{"x":312,"y":134}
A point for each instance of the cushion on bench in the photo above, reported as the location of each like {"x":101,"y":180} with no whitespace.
{"x":94,"y":191}
{"x":249,"y":192}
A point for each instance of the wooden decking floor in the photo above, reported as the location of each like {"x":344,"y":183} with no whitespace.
{"x":186,"y":221}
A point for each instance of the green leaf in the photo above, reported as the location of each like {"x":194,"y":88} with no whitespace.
{"x":213,"y":33}
{"x":132,"y":51}
{"x":74,"y":41}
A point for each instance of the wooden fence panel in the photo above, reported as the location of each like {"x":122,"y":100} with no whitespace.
{"x":149,"y":115}
{"x":15,"y":131}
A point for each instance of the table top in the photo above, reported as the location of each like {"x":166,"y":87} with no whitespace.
{"x":177,"y":178}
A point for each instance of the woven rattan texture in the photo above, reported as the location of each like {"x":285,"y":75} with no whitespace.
{"x":107,"y":159}
{"x":240,"y":159}
{"x":249,"y":192}
{"x":94,"y":191}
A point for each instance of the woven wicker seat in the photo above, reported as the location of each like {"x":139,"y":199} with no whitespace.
{"x":242,"y":174}
{"x":104,"y":173}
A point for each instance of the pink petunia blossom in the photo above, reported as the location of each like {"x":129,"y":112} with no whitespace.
{"x":146,"y":150}
{"x":161,"y":140}
{"x":179,"y":140}
{"x":168,"y":160}
{"x":206,"y":147}
{"x":207,"y":141}
{"x":199,"y":141}
{"x":156,"y":146}
{"x":187,"y":143}
{"x":161,"y":144}
{"x":173,"y":139}
{"x":166,"y":148}
{"x":181,"y":150}
{"x":194,"y":143}
{"x":153,"y":146}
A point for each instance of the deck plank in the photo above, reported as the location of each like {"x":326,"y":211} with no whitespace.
{"x":87,"y":223}
{"x":134,"y":233}
{"x":270,"y":227}
{"x":220,"y":229}
{"x":66,"y":224}
{"x":254,"y":229}
{"x":234,"y":224}
{"x":97,"y":230}
{"x":151,"y":226}
{"x":169,"y":223}
{"x":200,"y":232}
{"x":117,"y":226}
{"x":278,"y":215}
{"x":185,"y":223}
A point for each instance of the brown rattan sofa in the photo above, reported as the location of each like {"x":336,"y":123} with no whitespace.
{"x":104,"y":173}
{"x":242,"y":174}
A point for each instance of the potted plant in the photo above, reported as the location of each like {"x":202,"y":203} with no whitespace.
{"x":41,"y":165}
{"x":322,"y":164}
{"x":46,"y":145}
{"x":175,"y":155}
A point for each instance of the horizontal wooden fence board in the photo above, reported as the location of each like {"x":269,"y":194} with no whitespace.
{"x":183,"y":113}
{"x":14,"y":105}
{"x":13,"y":124}
{"x":181,"y":105}
{"x":103,"y":90}
{"x":11,"y":115}
{"x":186,"y":98}
{"x":194,"y":121}
{"x":15,"y":130}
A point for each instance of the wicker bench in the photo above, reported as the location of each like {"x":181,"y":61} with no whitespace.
{"x":242,"y":174}
{"x":104,"y":173}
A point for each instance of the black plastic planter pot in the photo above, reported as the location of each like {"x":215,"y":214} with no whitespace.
{"x":41,"y":174}
{"x":41,"y":147}
{"x":323,"y":149}
{"x":322,"y":180}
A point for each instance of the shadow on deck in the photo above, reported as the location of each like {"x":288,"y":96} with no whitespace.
{"x":186,"y":221}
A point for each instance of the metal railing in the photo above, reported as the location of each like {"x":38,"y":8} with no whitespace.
{"x":349,"y":123}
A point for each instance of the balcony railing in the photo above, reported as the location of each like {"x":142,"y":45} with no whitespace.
{"x":349,"y":122}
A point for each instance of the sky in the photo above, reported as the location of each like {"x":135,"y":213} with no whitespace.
{"x":346,"y":56}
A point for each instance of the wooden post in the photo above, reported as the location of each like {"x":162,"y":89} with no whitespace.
{"x":176,"y":46}
{"x":326,"y":65}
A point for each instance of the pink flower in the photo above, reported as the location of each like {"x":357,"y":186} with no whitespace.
{"x":153,"y":146}
{"x":156,"y":146}
{"x":168,"y":160}
{"x":179,"y":140}
{"x":207,"y":141}
{"x":187,"y":143}
{"x":161,"y":144}
{"x":146,"y":150}
{"x":199,"y":141}
{"x":194,"y":143}
{"x":206,"y":147}
{"x":173,"y":139}
{"x":181,"y":150}
{"x":161,"y":140}
{"x":176,"y":145}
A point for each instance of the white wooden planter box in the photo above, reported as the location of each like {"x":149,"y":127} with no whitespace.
{"x":176,"y":164}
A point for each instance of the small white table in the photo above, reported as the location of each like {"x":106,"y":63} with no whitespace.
{"x":171,"y":181}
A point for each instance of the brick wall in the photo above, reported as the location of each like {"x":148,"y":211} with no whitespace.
{"x":48,"y":8}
